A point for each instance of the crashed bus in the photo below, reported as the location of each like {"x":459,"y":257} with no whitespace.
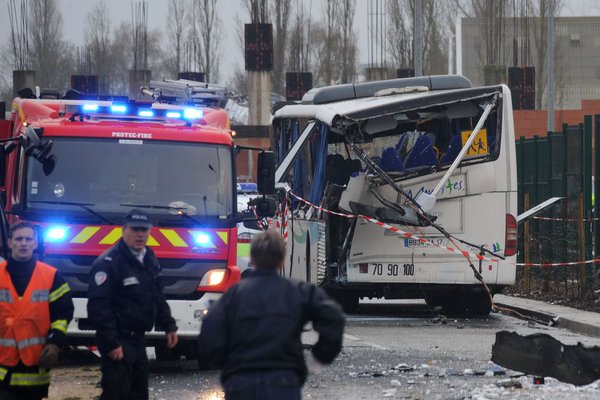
{"x":403,"y":188}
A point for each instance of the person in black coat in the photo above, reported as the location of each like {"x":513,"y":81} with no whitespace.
{"x":253,"y":331}
{"x":125,"y":301}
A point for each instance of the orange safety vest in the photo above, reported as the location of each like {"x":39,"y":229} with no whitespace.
{"x":24,"y":322}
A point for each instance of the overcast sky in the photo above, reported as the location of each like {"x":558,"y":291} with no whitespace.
{"x":75,"y":11}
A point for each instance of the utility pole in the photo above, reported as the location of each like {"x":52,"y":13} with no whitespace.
{"x":418,"y":37}
{"x":550,"y":61}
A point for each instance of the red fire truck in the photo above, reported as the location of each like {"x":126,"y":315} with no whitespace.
{"x":113,"y":155}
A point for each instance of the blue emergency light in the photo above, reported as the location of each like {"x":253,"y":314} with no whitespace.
{"x":146,"y":113}
{"x":173,"y":114}
{"x":56,"y":234}
{"x":192,"y":113}
{"x":118,"y":108}
{"x":202,"y":239}
{"x":90,"y":107}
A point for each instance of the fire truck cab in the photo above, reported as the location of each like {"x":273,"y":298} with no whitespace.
{"x":103,"y":158}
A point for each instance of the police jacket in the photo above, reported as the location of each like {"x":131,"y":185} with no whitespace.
{"x":125,"y":297}
{"x":257,"y":324}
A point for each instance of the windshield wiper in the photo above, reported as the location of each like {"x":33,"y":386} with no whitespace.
{"x":180,"y":211}
{"x":84,"y":206}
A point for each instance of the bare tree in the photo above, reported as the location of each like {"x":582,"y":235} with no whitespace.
{"x":97,"y":39}
{"x":400,"y":34}
{"x":540,"y":35}
{"x":208,"y":36}
{"x":49,"y":53}
{"x":347,"y":45}
{"x":301,"y":49}
{"x":280,"y":10}
{"x":177,"y":20}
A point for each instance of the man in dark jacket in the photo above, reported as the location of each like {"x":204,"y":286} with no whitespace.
{"x":254,"y":330}
{"x":125,"y":301}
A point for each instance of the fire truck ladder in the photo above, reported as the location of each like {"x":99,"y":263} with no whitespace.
{"x":185,"y":91}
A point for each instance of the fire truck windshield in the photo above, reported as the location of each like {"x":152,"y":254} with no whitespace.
{"x":113,"y":176}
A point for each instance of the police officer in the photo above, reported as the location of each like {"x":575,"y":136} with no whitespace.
{"x":254,"y":330}
{"x":125,"y":301}
{"x":35,"y":309}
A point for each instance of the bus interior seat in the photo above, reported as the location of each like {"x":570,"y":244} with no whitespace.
{"x":390,"y":160}
{"x":452,"y":151}
{"x":422,"y":154}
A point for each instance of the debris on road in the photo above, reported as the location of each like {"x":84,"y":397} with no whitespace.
{"x":542,"y":355}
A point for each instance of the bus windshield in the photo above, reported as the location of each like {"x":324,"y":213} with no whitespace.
{"x":114,"y":176}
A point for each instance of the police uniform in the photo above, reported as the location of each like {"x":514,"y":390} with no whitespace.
{"x":126,"y":300}
{"x":35,"y":310}
{"x":253,"y":333}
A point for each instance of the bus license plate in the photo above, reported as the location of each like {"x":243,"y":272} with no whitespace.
{"x":391,"y":269}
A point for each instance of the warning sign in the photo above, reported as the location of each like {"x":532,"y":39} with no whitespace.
{"x":479,"y":147}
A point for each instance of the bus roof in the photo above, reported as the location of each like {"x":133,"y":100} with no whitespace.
{"x":389,"y":102}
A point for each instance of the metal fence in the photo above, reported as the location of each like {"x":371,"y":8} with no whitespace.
{"x":559,"y":165}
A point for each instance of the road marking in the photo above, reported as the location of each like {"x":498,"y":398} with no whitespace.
{"x":357,"y":339}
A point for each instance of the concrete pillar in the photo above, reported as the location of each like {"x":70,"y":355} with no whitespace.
{"x":259,"y":96}
{"x":137,"y":79}
{"x":23,"y":79}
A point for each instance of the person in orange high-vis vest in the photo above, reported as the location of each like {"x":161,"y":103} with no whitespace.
{"x":35,"y":309}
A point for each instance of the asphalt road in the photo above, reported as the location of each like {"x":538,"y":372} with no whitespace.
{"x":393,"y":350}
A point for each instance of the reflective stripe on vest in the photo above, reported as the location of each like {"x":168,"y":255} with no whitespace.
{"x":5,"y":296}
{"x":25,"y":322}
{"x":29,"y":379}
{"x":3,"y":372}
{"x":21,"y":344}
{"x":39,"y":295}
{"x":8,"y":342}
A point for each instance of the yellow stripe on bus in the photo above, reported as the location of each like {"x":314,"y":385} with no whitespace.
{"x":174,"y":238}
{"x":85,"y":234}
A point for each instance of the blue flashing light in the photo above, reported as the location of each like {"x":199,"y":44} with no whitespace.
{"x":146,"y":113}
{"x":118,"y":108}
{"x":56,"y":234}
{"x":90,"y":107}
{"x":192,"y":113}
{"x":174,"y":114}
{"x":202,"y":239}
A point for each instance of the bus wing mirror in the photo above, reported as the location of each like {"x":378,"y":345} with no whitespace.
{"x":266,"y":173}
{"x":265,"y":207}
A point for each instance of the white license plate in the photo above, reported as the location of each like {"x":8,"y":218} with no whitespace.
{"x":391,"y":270}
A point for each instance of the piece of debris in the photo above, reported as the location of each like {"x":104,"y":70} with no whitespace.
{"x":403,"y":368}
{"x":395,"y":382}
{"x":440,"y":319}
{"x":389,"y":392}
{"x":542,"y":355}
{"x":509,"y":384}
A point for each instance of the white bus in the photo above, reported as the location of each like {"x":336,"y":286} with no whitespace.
{"x":401,"y":152}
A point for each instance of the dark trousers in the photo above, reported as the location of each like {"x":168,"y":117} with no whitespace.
{"x":263,"y":385}
{"x":8,"y":392}
{"x":126,"y":379}
{"x":23,"y":393}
